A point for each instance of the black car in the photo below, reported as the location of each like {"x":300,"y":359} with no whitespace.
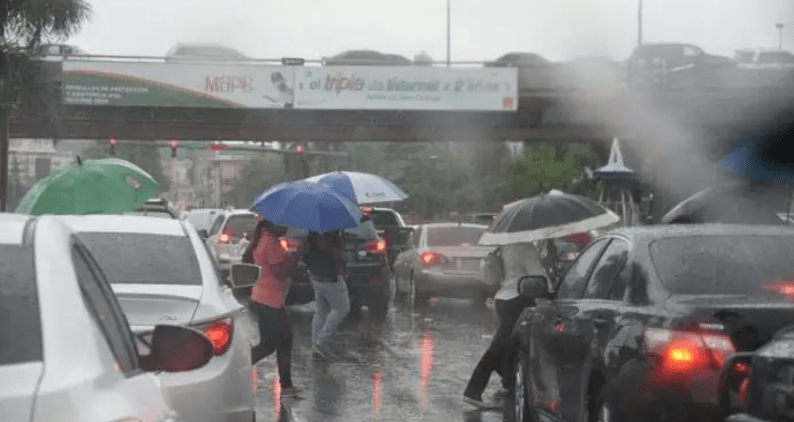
{"x":368,"y":271}
{"x":761,"y":384}
{"x":640,"y":326}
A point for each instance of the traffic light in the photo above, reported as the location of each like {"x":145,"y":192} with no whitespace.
{"x":173,"y":145}
{"x":299,"y":150}
{"x":113,"y":142}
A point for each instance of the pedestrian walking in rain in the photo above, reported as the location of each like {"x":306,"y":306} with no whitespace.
{"x":518,"y":260}
{"x":325,"y":259}
{"x":268,"y":298}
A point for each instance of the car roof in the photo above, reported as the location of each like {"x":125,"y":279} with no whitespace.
{"x":125,"y":224}
{"x":12,"y":228}
{"x":238,"y":211}
{"x":649,"y":233}
{"x":439,"y":225}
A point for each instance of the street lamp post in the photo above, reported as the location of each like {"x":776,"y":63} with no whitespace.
{"x":639,"y":23}
{"x":449,"y":37}
{"x":779,"y":27}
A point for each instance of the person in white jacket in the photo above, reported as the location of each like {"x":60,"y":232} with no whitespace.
{"x":518,"y":260}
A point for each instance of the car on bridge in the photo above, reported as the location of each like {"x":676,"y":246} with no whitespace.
{"x":365,"y":58}
{"x":203,"y":51}
{"x":675,"y":65}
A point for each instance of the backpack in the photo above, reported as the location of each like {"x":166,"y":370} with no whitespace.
{"x":492,"y":271}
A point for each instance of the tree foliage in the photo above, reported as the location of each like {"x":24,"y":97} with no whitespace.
{"x":258,"y":174}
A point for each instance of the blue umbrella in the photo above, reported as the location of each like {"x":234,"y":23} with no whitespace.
{"x":307,"y":205}
{"x":749,"y":162}
{"x":361,"y":188}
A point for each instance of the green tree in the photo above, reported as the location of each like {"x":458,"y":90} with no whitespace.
{"x":146,"y":157}
{"x":258,"y":174}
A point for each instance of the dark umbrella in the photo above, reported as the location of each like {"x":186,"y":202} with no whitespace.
{"x":547,"y":216}
{"x":735,"y":203}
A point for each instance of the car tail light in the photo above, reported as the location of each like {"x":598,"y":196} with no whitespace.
{"x":785,"y":288}
{"x":377,"y":246}
{"x":686,"y":351}
{"x":224,"y":238}
{"x":220,"y":334}
{"x":433,"y":259}
{"x":289,"y":244}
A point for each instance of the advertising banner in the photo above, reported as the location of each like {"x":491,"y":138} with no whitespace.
{"x":406,"y":88}
{"x":109,"y":83}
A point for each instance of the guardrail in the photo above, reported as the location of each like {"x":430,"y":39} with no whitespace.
{"x":284,"y":61}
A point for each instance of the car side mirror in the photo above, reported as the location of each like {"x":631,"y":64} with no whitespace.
{"x":203,"y":234}
{"x":177,"y":349}
{"x":533,"y":286}
{"x":244,"y":275}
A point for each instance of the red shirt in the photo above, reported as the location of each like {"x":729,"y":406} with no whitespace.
{"x":273,"y":285}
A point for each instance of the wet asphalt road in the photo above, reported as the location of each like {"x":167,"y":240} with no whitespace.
{"x":412,"y":368}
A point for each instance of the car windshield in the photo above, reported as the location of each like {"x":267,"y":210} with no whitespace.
{"x":145,"y":258}
{"x":365,"y":230}
{"x":240,"y":225}
{"x":725,"y":264}
{"x":453,"y":235}
{"x":20,"y":331}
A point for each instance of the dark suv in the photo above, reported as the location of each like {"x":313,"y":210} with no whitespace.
{"x":368,"y":271}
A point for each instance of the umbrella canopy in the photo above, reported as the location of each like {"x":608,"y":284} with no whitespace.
{"x":307,"y":205}
{"x":734,"y":203}
{"x":749,"y":162}
{"x":547,"y":216}
{"x":361,"y":188}
{"x":105,"y":186}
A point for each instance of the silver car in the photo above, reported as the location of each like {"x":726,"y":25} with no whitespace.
{"x":225,"y":236}
{"x":443,"y":259}
{"x":161,"y":272}
{"x":66,"y":350}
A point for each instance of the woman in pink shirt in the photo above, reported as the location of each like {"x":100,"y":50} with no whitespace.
{"x":268,"y":298}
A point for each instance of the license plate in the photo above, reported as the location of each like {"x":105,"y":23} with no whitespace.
{"x":470,"y":264}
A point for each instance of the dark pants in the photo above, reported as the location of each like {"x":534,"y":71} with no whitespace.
{"x":498,"y":357}
{"x":275,"y":335}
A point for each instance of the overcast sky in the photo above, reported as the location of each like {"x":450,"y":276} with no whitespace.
{"x":481,"y":29}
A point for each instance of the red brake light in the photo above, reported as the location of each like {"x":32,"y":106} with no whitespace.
{"x":688,"y":351}
{"x":367,"y":210}
{"x":376,"y":246}
{"x":432,"y":259}
{"x":785,"y":288}
{"x":224,"y":238}
{"x":220,"y":335}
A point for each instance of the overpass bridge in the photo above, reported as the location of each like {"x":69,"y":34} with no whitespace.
{"x":154,"y":98}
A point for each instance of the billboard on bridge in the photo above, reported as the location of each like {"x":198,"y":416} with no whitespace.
{"x":113,"y":83}
{"x":109,"y":83}
{"x":406,"y":88}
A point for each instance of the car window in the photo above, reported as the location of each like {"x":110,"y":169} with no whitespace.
{"x":605,"y":272}
{"x":104,"y":309}
{"x":240,"y":225}
{"x":573,"y":284}
{"x":754,"y":265}
{"x":216,"y":226}
{"x":145,"y":258}
{"x":416,"y":236}
{"x":454,"y":235}
{"x":365,"y":230}
{"x":383,"y":219}
{"x":744,"y":56}
{"x":20,"y":330}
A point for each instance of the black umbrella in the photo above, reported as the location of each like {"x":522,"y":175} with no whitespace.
{"x":547,"y":216}
{"x":736,"y":203}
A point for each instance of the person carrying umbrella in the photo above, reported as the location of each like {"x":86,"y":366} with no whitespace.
{"x":268,"y":298}
{"x":325,"y":259}
{"x":518,"y":260}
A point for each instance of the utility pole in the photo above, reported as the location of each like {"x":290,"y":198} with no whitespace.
{"x":639,"y":23}
{"x":779,"y":27}
{"x":5,"y":140}
{"x":449,"y":33}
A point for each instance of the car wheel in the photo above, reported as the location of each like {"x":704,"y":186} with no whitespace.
{"x":521,"y":392}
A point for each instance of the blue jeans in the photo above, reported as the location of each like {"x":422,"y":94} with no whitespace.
{"x":331,"y":305}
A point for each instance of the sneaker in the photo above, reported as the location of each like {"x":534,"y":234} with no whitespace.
{"x":478,"y":403}
{"x":291,"y":391}
{"x":321,"y":352}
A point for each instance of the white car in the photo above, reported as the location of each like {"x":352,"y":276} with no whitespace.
{"x":161,"y":271}
{"x":225,"y":235}
{"x":66,"y":350}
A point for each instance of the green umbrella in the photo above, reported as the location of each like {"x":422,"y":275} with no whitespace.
{"x":105,"y":186}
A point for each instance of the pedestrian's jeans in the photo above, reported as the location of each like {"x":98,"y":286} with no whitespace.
{"x":331,"y":305}
{"x":275,"y":334}
{"x":498,"y":358}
